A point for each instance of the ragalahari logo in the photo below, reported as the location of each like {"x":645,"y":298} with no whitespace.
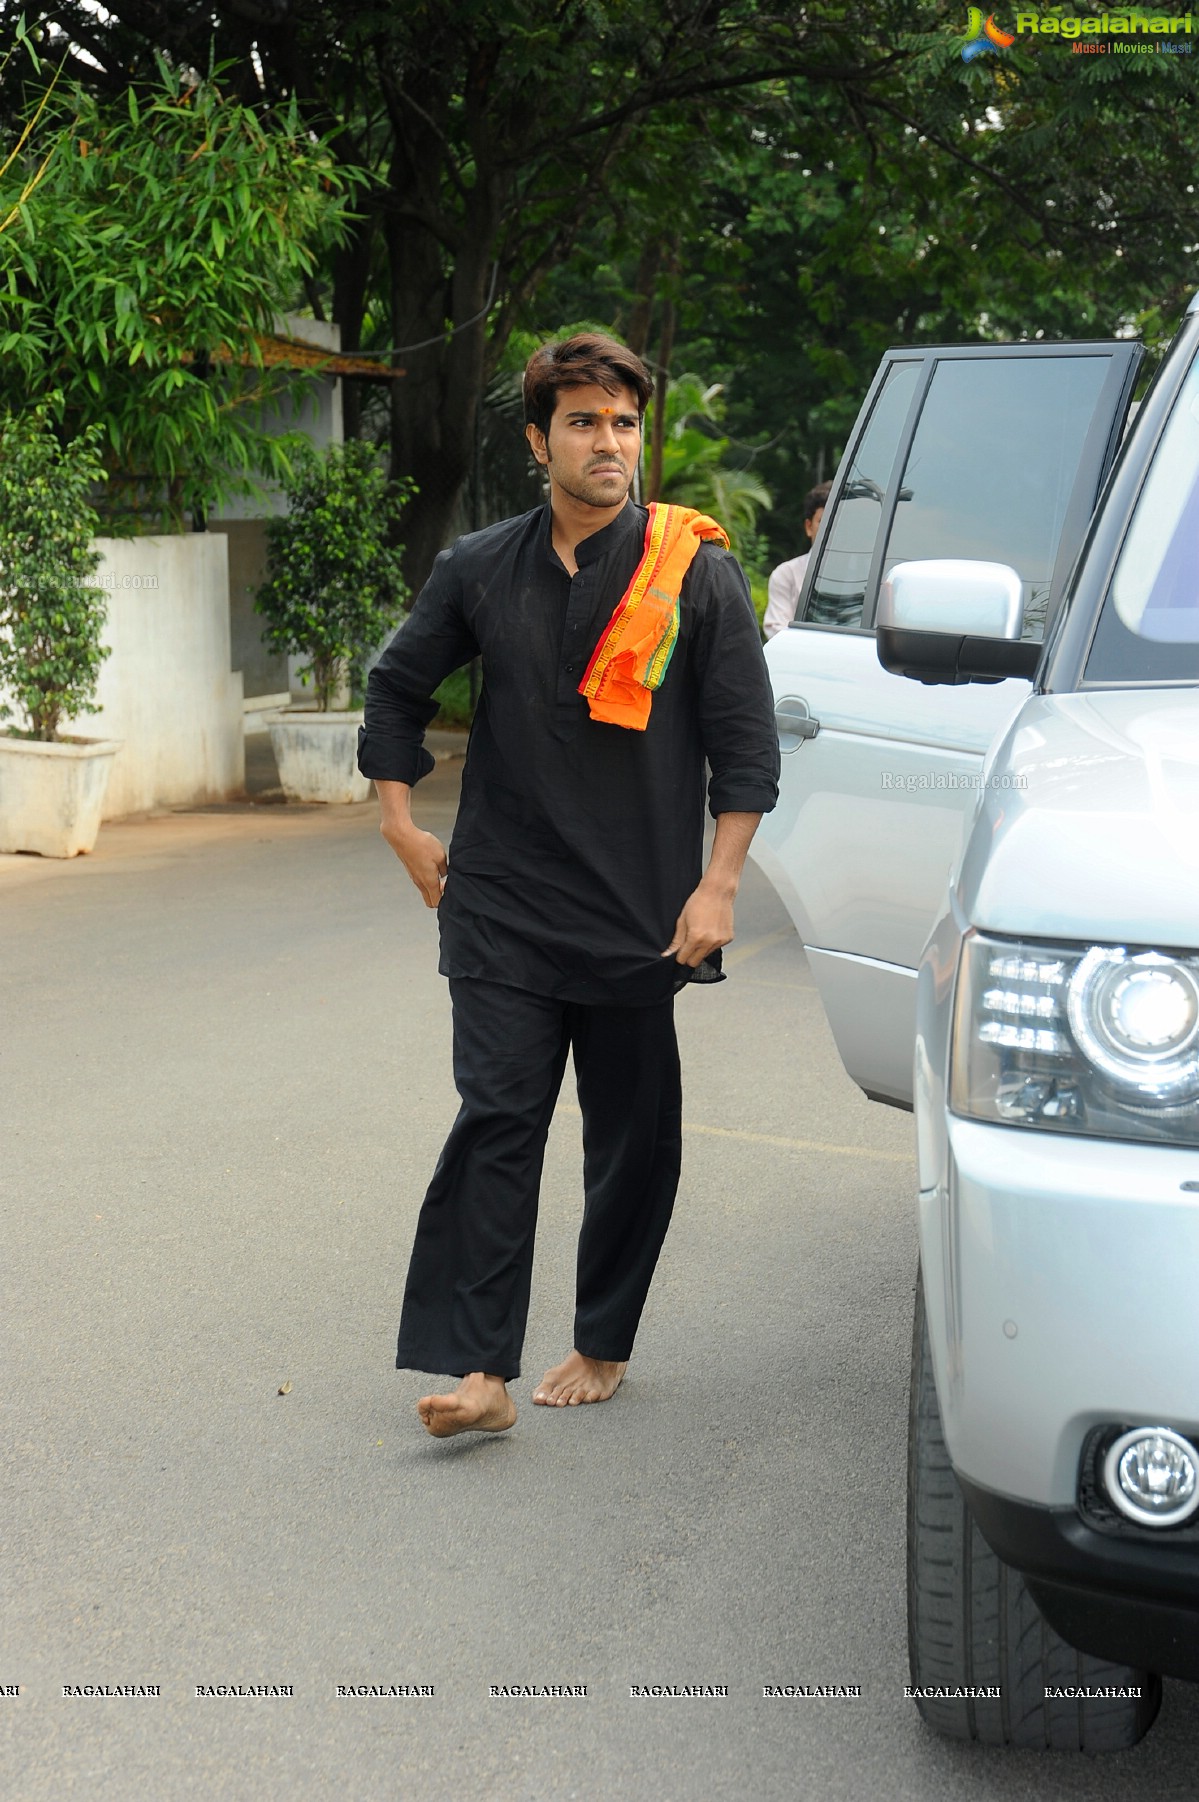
{"x":984,"y":35}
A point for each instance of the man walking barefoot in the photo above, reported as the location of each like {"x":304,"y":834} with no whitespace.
{"x":620,"y":654}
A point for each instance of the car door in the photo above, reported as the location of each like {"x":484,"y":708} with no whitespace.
{"x":994,"y":452}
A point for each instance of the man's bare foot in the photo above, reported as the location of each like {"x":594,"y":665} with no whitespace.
{"x":578,"y":1379}
{"x":480,"y":1404}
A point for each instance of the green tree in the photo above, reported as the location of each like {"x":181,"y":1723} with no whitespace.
{"x":51,"y":616}
{"x":502,"y":139}
{"x":749,"y":187}
{"x":163,"y":238}
{"x":22,"y":46}
{"x":696,"y":467}
{"x":334,"y":581}
{"x":926,"y":201}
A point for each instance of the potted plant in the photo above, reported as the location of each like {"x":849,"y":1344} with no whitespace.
{"x":51,"y":617}
{"x":333,"y":590}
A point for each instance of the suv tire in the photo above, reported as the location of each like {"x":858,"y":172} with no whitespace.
{"x":972,"y":1622}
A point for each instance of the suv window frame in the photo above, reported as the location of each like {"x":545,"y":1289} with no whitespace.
{"x":1064,"y":671}
{"x":892,"y":359}
{"x":1098,"y":455}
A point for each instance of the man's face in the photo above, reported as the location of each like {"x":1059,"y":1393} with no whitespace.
{"x":812,"y":526}
{"x":593,"y":445}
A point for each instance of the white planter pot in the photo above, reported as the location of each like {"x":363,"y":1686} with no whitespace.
{"x":51,"y":796}
{"x":317,"y":755}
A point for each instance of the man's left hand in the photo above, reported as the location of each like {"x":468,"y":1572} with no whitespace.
{"x":705,"y":924}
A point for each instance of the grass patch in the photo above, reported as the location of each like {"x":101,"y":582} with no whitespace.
{"x":759,"y":594}
{"x":453,"y":700}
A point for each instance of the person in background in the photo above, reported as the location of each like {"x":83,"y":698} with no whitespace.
{"x":787,"y":580}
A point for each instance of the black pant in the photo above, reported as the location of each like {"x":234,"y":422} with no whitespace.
{"x":467,"y":1296}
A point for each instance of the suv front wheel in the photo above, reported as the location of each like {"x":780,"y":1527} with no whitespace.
{"x":973,"y":1625}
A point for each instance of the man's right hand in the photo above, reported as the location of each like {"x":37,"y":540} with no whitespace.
{"x":422,"y":855}
{"x":424,"y":858}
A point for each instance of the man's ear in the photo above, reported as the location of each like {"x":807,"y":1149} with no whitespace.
{"x":537,"y":444}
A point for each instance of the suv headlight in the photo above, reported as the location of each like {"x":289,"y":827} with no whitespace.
{"x":1097,"y":1039}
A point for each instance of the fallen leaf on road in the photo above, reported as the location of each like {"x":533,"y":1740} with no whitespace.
{"x":285,"y":1389}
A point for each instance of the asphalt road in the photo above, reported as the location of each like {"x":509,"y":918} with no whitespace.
{"x":226,"y":1078}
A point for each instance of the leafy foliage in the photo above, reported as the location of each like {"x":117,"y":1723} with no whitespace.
{"x":51,"y":616}
{"x":455,"y":705}
{"x":163,"y":237}
{"x":334,"y":579}
{"x":696,"y":470}
{"x":22,"y":44}
{"x":502,"y":140}
{"x":915,"y":200}
{"x":791,"y":188}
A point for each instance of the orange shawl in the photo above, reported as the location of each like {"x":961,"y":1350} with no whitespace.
{"x":638,"y":642}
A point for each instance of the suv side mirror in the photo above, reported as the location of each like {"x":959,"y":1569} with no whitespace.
{"x":953,"y":620}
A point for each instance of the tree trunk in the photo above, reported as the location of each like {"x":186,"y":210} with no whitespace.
{"x":641,"y":316}
{"x":653,"y":487}
{"x":351,"y":273}
{"x":433,"y":406}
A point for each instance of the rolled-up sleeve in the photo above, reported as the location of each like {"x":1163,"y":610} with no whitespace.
{"x":433,"y":641}
{"x":735,"y":700}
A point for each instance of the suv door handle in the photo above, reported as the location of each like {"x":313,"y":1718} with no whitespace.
{"x":793,"y":720}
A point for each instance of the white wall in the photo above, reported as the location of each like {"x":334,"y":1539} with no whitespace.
{"x":167,"y":688}
{"x":319,"y":414}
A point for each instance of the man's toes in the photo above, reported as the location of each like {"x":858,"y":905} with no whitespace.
{"x":439,"y":1414}
{"x":444,"y":1417}
{"x":444,"y":1427}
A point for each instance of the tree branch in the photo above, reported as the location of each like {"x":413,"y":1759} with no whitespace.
{"x":397,"y":100}
{"x":996,"y":180}
{"x":670,"y":92}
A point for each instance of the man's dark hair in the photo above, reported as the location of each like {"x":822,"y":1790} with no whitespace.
{"x":588,"y":359}
{"x":816,"y":498}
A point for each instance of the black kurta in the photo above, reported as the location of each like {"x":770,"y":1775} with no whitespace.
{"x":576,"y":843}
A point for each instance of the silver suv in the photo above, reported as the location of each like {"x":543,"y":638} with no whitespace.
{"x":988,"y":839}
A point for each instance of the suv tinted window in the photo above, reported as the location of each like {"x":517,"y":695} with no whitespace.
{"x":839,"y":587}
{"x":992,"y":466}
{"x":1149,"y":627}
